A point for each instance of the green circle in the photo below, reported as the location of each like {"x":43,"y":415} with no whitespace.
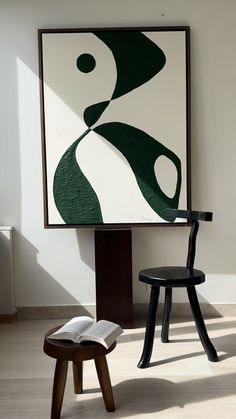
{"x":86,"y":63}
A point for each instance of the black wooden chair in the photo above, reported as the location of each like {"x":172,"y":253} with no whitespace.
{"x":171,"y":277}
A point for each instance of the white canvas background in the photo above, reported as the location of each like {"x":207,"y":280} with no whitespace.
{"x":158,"y":107}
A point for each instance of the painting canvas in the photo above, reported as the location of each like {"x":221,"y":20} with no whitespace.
{"x":115,"y":125}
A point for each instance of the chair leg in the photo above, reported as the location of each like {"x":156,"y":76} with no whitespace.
{"x":150,"y":328}
{"x":78,"y":376}
{"x":201,"y":328}
{"x":166,"y":316}
{"x":105,"y":382}
{"x":58,"y":388}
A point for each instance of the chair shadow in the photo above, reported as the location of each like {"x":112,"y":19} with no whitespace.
{"x":223,"y":344}
{"x":175,"y":358}
{"x":182,"y":340}
{"x":153,"y":395}
{"x":149,"y":388}
{"x":185,"y":329}
{"x":226,"y":344}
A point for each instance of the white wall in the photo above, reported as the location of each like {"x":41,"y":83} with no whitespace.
{"x":53,"y":267}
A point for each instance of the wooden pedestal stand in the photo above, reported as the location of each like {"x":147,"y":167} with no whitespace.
{"x":113,"y":259}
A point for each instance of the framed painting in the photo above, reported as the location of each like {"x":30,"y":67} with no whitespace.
{"x":115,"y":125}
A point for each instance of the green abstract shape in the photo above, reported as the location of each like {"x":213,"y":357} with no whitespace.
{"x":137,"y":58}
{"x":74,"y":197}
{"x":141,"y":151}
{"x":86,"y":63}
{"x":93,"y":112}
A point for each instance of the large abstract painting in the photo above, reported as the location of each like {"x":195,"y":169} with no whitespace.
{"x":115,"y":125}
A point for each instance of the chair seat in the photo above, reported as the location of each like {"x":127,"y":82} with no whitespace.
{"x":172,"y":276}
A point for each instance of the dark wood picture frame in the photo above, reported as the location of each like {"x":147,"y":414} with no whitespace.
{"x":43,"y":71}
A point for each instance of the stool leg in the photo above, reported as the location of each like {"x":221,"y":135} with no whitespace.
{"x":105,"y":382}
{"x":201,"y":328}
{"x":58,"y":388}
{"x":166,"y":316}
{"x":78,"y":376}
{"x":150,"y":328}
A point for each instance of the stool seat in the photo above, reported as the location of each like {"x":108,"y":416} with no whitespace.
{"x":64,"y":351}
{"x":172,"y":276}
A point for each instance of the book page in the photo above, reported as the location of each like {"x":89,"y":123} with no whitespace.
{"x":102,"y":331}
{"x":75,"y":326}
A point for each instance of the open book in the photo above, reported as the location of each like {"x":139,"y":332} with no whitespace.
{"x":83,"y":328}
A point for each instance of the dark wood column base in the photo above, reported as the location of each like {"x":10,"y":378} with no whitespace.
{"x":113,"y":257}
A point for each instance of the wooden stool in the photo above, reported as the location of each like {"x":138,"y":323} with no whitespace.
{"x":65,"y":351}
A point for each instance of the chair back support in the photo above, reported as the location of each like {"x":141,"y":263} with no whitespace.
{"x":192,"y":244}
{"x":191,"y":215}
{"x":194,"y":216}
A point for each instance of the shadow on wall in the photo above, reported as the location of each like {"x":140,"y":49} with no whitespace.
{"x":85,"y":239}
{"x":31,"y":276}
{"x":10,"y":168}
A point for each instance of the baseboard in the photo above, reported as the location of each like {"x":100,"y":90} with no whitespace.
{"x":7,"y":318}
{"x":55,"y":312}
{"x":139,"y":311}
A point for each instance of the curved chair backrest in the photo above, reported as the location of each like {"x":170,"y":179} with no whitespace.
{"x":194,"y":217}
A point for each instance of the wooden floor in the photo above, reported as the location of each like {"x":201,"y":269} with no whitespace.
{"x":181,"y":382}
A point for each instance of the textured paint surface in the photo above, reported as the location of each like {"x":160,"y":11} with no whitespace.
{"x":75,"y":198}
